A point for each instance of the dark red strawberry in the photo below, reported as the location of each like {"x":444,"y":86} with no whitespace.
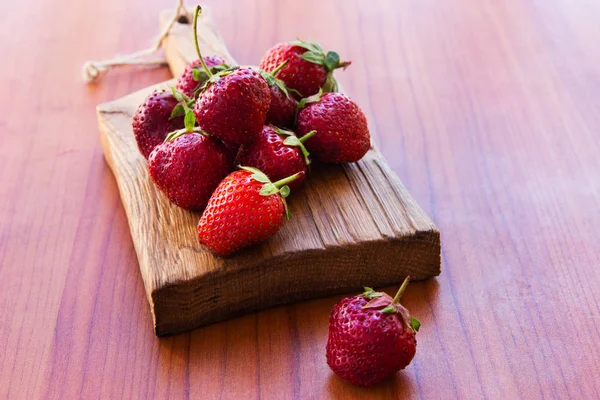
{"x":283,"y":108}
{"x":371,"y":337}
{"x":308,"y":69}
{"x":187,"y":167}
{"x":245,"y":208}
{"x":342,"y":131}
{"x":194,"y":74}
{"x":152,"y":121}
{"x":278,"y":153}
{"x":232,"y":105}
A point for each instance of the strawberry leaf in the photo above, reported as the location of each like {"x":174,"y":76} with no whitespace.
{"x":330,"y":84}
{"x":198,"y":75}
{"x":389,"y":309}
{"x":190,"y":120}
{"x":415,"y":324}
{"x":282,"y":87}
{"x":370,"y":294}
{"x":292,"y":141}
{"x":178,"y":111}
{"x":383,"y":300}
{"x":268,"y":189}
{"x":179,"y":96}
{"x":283,"y":132}
{"x":175,"y":134}
{"x":311,"y":99}
{"x":284,"y":191}
{"x":313,"y":57}
{"x":332,"y":60}
{"x":257,"y":174}
{"x":310,"y":46}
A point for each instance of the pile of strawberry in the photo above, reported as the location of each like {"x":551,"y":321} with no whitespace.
{"x":234,"y":141}
{"x":269,"y":122}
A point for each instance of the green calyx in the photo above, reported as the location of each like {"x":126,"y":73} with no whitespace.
{"x":271,"y":79}
{"x":316,"y":55}
{"x":392,"y":306}
{"x":180,"y":132}
{"x":330,"y":60}
{"x":270,"y":188}
{"x":292,"y":140}
{"x":371,"y":294}
{"x":184,"y":108}
{"x":310,"y":99}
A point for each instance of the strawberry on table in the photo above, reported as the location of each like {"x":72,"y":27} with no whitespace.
{"x":232,"y":104}
{"x":245,"y":208}
{"x":152,"y":121}
{"x":278,"y":153}
{"x":283,"y":107}
{"x":308,"y":67}
{"x":371,"y":337}
{"x":194,"y":75}
{"x":342,"y":132}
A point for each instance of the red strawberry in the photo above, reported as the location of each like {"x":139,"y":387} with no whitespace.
{"x":244,"y":209}
{"x":152,"y":121}
{"x":277,"y":153}
{"x":233,"y":104}
{"x":309,"y":68}
{"x":371,"y":337}
{"x":234,"y":108}
{"x":194,"y":74}
{"x":187,"y":167}
{"x":342,"y":131}
{"x":283,"y":107}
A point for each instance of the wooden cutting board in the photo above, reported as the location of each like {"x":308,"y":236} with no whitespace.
{"x":352,"y":225}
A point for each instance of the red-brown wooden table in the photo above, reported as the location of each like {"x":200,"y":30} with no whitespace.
{"x":488,"y":111}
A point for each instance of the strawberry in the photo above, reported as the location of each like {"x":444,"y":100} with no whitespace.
{"x":194,"y":76}
{"x":234,"y":107}
{"x":309,"y":68}
{"x":277,"y":153}
{"x":342,"y":131}
{"x":188,"y":166}
{"x":152,"y":121}
{"x":371,"y":337}
{"x":232,"y":104}
{"x":283,"y":107}
{"x":245,"y":208}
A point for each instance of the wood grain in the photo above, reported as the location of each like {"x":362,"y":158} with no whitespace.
{"x":488,"y":112}
{"x":351,"y":224}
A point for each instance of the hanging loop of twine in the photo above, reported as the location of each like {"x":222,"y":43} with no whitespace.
{"x":92,"y":70}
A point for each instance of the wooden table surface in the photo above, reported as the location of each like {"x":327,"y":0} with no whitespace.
{"x":487,"y":110}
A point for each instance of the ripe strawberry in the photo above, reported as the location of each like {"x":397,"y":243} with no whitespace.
{"x":283,"y":107}
{"x":371,"y":337}
{"x":342,"y":131}
{"x":309,"y":68}
{"x":152,"y":121}
{"x":234,"y":107}
{"x":188,"y":166}
{"x":194,"y":74}
{"x":233,"y":104}
{"x":244,"y":209}
{"x":277,"y":153}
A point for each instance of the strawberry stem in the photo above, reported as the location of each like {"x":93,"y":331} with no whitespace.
{"x":307,"y":136}
{"x":403,"y":287}
{"x":279,"y":67}
{"x":196,"y":13}
{"x":287,"y":180}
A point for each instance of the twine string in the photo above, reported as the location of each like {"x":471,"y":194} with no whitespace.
{"x":92,"y":70}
